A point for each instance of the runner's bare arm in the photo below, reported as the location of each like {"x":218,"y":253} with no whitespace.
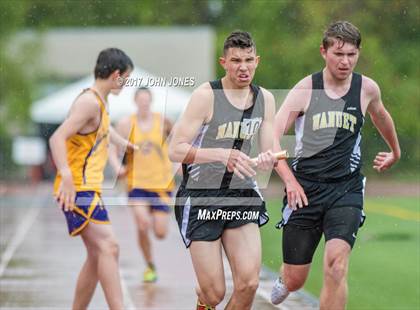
{"x":296,"y":102}
{"x":197,"y":113}
{"x":119,"y":141}
{"x":115,"y":152}
{"x":84,"y":110}
{"x":167,"y":136}
{"x":167,"y":128}
{"x":266,"y":130}
{"x":385,"y":125}
{"x":266,"y":158}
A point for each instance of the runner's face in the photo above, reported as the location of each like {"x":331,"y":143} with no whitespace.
{"x":240,"y":65}
{"x":118,"y":80}
{"x":340,"y":59}
{"x":143,"y":101}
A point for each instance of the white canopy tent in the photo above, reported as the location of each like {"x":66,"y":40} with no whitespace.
{"x":53,"y":108}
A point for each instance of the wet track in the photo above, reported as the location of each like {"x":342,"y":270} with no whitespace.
{"x":40,"y":262}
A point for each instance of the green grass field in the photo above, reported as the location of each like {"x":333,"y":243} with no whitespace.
{"x":385,"y":263}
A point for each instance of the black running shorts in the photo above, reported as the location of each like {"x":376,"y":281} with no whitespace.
{"x":203,"y":215}
{"x":335,"y":210}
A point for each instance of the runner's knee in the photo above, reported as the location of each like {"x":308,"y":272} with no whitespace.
{"x":336,"y":259}
{"x":336,"y":269}
{"x":213,"y":294}
{"x":160,"y":224}
{"x":293,"y":278}
{"x":92,"y":255}
{"x":247,"y":287}
{"x":294,"y":283}
{"x":108,"y":247}
{"x":143,"y":226}
{"x":160,"y":233}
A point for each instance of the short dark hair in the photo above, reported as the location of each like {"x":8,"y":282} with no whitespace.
{"x":142,"y":89}
{"x":343,"y":31}
{"x":109,"y":60}
{"x":238,"y":38}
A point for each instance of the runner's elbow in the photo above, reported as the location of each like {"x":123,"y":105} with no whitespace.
{"x":174,"y":154}
{"x":52,"y":140}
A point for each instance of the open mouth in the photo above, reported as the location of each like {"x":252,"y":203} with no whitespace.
{"x":243,"y":77}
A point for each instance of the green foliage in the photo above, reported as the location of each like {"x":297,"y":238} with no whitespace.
{"x":11,"y":17}
{"x":80,"y":13}
{"x":15,"y":83}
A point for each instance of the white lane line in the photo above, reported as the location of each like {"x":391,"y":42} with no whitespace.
{"x":128,"y":301}
{"x":19,"y":237}
{"x":20,"y":234}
